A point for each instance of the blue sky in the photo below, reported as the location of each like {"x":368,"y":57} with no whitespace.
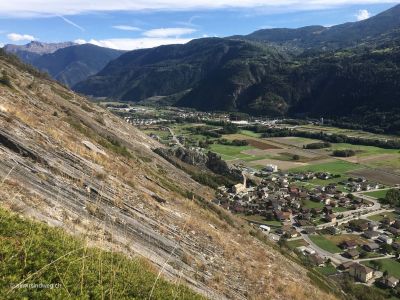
{"x":132,"y":24}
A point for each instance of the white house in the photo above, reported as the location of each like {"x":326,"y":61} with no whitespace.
{"x":385,"y":239}
{"x":271,"y":168}
{"x":265,"y":228}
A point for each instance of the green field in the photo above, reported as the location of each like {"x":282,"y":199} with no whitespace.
{"x":313,"y":204}
{"x":325,"y":244}
{"x":228,"y":152}
{"x":390,"y":265}
{"x":380,"y":217}
{"x":163,"y":134}
{"x":231,"y":152}
{"x":327,"y":270}
{"x":339,"y":209}
{"x":377,"y":194}
{"x":250,"y":133}
{"x":33,"y":253}
{"x":296,"y":243}
{"x":363,"y":150}
{"x":334,"y":167}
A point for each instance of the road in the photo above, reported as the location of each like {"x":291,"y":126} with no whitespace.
{"x":363,"y":212}
{"x":336,"y":258}
{"x":174,"y":138}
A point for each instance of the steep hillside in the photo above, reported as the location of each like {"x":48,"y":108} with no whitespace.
{"x":73,"y":165}
{"x":228,"y":65}
{"x":73,"y":64}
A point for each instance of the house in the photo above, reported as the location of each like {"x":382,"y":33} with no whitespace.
{"x":239,"y":188}
{"x":394,"y":231}
{"x":371,"y":247}
{"x":306,"y":250}
{"x":349,"y":245}
{"x":390,"y":281}
{"x":345,"y":266}
{"x":396,"y":224}
{"x":330,"y":218}
{"x":361,"y":272}
{"x":271,"y":168}
{"x":283,"y":215}
{"x":359,"y":225}
{"x":396,"y":246}
{"x":265,"y":228}
{"x":310,"y":230}
{"x":371,"y":234}
{"x":385,"y":239}
{"x":317,"y":260}
{"x":373,"y":226}
{"x":328,"y":209}
{"x":333,"y":230}
{"x":303,"y":223}
{"x":388,"y":221}
{"x":352,"y":253}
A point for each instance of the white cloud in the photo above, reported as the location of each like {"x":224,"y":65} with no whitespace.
{"x":80,"y":41}
{"x":25,"y":8}
{"x":363,"y":14}
{"x":168,"y":32}
{"x":133,"y":44}
{"x":16,"y":37}
{"x":126,"y":28}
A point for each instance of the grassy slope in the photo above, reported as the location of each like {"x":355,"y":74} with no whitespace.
{"x":36,"y":253}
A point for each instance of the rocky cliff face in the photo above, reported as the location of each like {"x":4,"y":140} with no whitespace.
{"x":71,"y":164}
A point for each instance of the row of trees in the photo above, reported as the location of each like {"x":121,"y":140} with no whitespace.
{"x":344,"y":153}
{"x":331,"y":138}
{"x":317,"y":145}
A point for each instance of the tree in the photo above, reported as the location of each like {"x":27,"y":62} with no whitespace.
{"x":393,"y":197}
{"x":296,"y":157}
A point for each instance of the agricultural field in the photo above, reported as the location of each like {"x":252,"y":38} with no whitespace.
{"x":229,"y":153}
{"x":348,"y":132}
{"x":334,"y":166}
{"x":338,"y":239}
{"x":325,"y":244}
{"x":373,"y":163}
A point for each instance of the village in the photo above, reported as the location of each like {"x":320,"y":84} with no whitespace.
{"x":291,"y":215}
{"x":325,"y":210}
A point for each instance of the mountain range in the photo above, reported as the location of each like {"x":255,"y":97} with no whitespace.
{"x":348,"y":71}
{"x":345,"y":70}
{"x":67,"y":62}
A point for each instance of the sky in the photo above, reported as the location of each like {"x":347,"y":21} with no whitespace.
{"x":134,"y":24}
